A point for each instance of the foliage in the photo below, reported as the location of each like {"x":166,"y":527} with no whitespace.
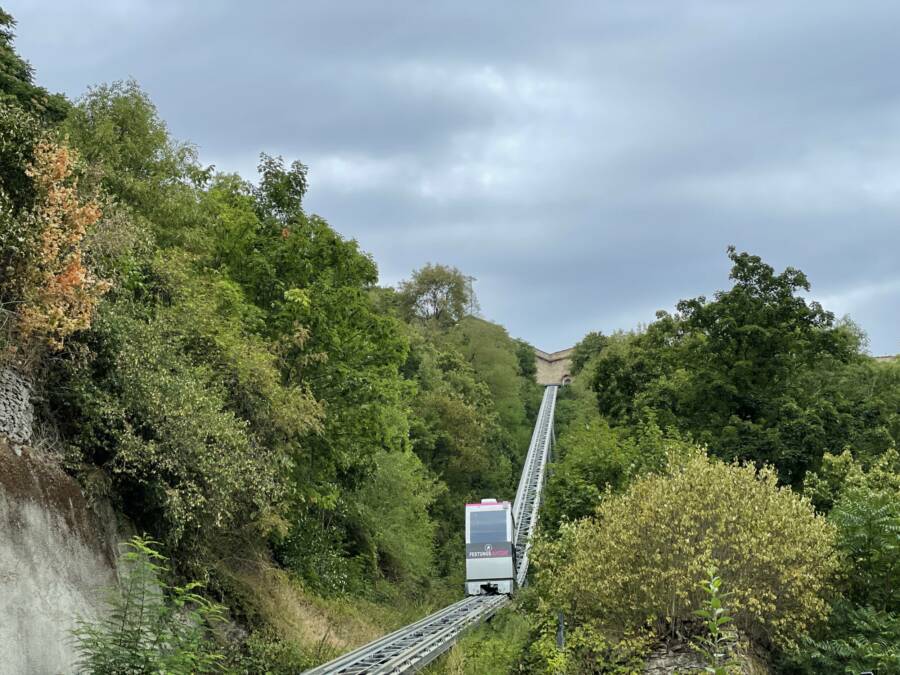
{"x":590,"y":346}
{"x":280,"y":190}
{"x":527,"y":361}
{"x":492,"y":354}
{"x":17,"y":80}
{"x":58,"y":294}
{"x":19,"y":134}
{"x":840,"y":473}
{"x":747,"y":373}
{"x":394,"y":507}
{"x":119,"y":133}
{"x":184,"y":464}
{"x":717,"y":644}
{"x":151,"y":627}
{"x":594,"y":458}
{"x":44,"y":219}
{"x":857,"y":639}
{"x":587,"y":649}
{"x":864,"y":502}
{"x":495,"y":647}
{"x":439,"y":294}
{"x":267,"y":654}
{"x":868,"y":523}
{"x":639,"y":560}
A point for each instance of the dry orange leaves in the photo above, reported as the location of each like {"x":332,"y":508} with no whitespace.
{"x":60,"y":293}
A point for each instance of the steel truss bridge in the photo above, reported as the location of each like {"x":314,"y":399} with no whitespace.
{"x":418,"y":644}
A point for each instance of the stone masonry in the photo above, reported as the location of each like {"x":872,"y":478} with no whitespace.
{"x":554,"y":368}
{"x":16,"y":411}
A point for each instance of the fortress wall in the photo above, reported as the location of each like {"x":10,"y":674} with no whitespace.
{"x":552,"y":368}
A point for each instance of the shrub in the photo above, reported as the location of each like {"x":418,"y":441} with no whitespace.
{"x":183,"y":464}
{"x":858,"y":639}
{"x":863,"y":632}
{"x":43,"y":223}
{"x":597,"y":458}
{"x":639,"y":560}
{"x":394,"y":505}
{"x":59,"y":294}
{"x":151,"y":627}
{"x":267,"y":653}
{"x":868,"y":523}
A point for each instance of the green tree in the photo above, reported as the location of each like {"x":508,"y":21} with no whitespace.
{"x":17,"y":80}
{"x":737,"y":372}
{"x":493,"y":356}
{"x":120,"y":135}
{"x":439,"y":294}
{"x":401,"y":527}
{"x":527,"y":360}
{"x":590,"y":346}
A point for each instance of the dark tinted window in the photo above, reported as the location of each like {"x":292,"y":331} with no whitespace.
{"x":487,"y":527}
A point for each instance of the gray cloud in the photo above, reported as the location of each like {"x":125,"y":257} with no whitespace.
{"x":587,"y":162}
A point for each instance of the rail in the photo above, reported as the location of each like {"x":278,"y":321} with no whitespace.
{"x":414,"y":646}
{"x":528,"y":497}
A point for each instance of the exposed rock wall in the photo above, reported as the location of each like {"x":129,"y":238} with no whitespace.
{"x":56,"y":553}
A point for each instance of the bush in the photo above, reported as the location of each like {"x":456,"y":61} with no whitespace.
{"x":43,"y":222}
{"x":151,"y":627}
{"x":393,"y":506}
{"x":639,"y":560}
{"x":59,"y":294}
{"x":863,"y":632}
{"x":596,"y":458}
{"x":267,"y":653}
{"x":184,"y":465}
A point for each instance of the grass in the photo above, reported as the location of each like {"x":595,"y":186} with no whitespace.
{"x":324,"y":628}
{"x":492,"y":648}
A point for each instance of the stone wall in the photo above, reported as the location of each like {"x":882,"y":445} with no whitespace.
{"x":16,"y":412}
{"x":553,"y":368}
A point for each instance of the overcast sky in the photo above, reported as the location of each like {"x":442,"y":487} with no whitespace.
{"x":587,"y":162}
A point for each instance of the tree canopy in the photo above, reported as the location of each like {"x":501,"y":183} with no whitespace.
{"x":439,"y":294}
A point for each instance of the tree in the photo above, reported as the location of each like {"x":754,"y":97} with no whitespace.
{"x":280,"y":192}
{"x":590,"y":346}
{"x":17,"y":80}
{"x":119,"y":133}
{"x":739,"y":372}
{"x":439,"y":294}
{"x":527,"y":361}
{"x":493,"y":356}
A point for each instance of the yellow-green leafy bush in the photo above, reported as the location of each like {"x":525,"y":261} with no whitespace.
{"x":637,"y":562}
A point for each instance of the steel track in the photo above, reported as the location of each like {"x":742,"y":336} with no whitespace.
{"x":414,"y":646}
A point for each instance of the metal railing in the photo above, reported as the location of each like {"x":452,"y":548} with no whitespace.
{"x":418,"y":644}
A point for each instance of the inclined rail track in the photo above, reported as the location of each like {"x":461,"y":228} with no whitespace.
{"x":418,"y":644}
{"x":528,"y":496}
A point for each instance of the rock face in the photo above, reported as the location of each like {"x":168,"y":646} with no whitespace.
{"x":56,"y":554}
